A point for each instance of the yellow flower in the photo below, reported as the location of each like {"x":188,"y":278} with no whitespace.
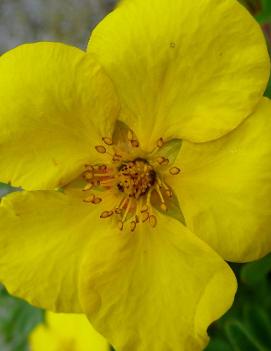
{"x":138,"y":182}
{"x":66,"y":332}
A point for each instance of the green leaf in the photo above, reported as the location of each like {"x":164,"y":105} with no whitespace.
{"x":17,"y":319}
{"x":240,"y":338}
{"x":218,"y":344}
{"x":255,"y":272}
{"x":259,"y":324}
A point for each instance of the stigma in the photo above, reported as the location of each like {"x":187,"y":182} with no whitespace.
{"x":135,"y":179}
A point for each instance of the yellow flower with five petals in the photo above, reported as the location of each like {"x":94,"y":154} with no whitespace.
{"x":144,"y":162}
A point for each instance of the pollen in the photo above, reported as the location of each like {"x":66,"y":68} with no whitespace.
{"x":136,"y":182}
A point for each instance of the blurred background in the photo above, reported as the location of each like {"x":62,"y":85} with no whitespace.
{"x":247,"y":326}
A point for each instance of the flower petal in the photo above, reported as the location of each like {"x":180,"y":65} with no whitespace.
{"x":56,"y":104}
{"x":43,"y":236}
{"x":63,"y":331}
{"x":224,"y":189}
{"x":156,"y":289}
{"x":192,"y":70}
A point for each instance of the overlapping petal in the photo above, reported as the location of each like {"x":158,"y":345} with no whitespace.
{"x":65,"y":332}
{"x":183,"y":69}
{"x":43,"y":240}
{"x":224,"y":189}
{"x":157,"y":289}
{"x":56,"y":104}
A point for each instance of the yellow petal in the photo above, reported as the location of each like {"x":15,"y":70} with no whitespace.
{"x":187,"y":69}
{"x":155,"y":289}
{"x":56,"y":104}
{"x":66,"y":332}
{"x":43,"y":237}
{"x":224,"y":188}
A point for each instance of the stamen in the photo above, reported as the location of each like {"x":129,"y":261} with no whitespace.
{"x":127,"y":210}
{"x":107,"y":141}
{"x":88,"y":175}
{"x":153,"y":221}
{"x":133,"y":226}
{"x":103,"y":168}
{"x":120,"y":225}
{"x":89,"y":168}
{"x":88,"y":187}
{"x":97,"y":200}
{"x":130,"y":135}
{"x":145,"y":216}
{"x":134,"y":143}
{"x":106,"y":214}
{"x":174,"y":170}
{"x":160,"y":143}
{"x":169,"y":193}
{"x":163,"y":205}
{"x":89,"y":198}
{"x":101,"y":149}
{"x":144,"y":208}
{"x":116,"y":157}
{"x":162,"y":161}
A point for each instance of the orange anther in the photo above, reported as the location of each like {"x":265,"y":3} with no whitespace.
{"x":145,"y":216}
{"x":88,"y":187}
{"x":174,"y":170}
{"x":120,"y":225}
{"x":153,"y":221}
{"x":107,"y":141}
{"x":160,"y":142}
{"x":133,"y":226}
{"x":96,"y":200}
{"x":144,"y":208}
{"x":101,"y":149}
{"x":134,"y":143}
{"x":106,"y":214}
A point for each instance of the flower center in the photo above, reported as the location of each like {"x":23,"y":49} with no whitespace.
{"x":137,"y":182}
{"x":135,"y":178}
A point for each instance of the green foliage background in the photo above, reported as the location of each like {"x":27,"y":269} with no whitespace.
{"x":247,"y":326}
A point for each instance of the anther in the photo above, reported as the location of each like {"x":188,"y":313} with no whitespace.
{"x":163,"y":161}
{"x":133,"y":226}
{"x":174,"y":170}
{"x":88,"y":175}
{"x":116,"y":157}
{"x":89,"y":198}
{"x":107,"y":141}
{"x":120,"y":225}
{"x":160,"y":143}
{"x":145,"y":216}
{"x":153,"y":221}
{"x":130,"y":135}
{"x":163,"y":207}
{"x":102,"y":168}
{"x":88,"y":187}
{"x":144,"y":208}
{"x":106,"y":214}
{"x":101,"y":149}
{"x":89,"y":168}
{"x":96,"y":200}
{"x":169,"y":193}
{"x":134,"y":143}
